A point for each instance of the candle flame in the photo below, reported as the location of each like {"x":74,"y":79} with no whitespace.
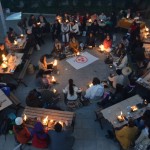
{"x":146,"y":29}
{"x":121,"y":113}
{"x":55,"y":63}
{"x":78,"y":53}
{"x":25,"y":117}
{"x":54,"y":90}
{"x":90,"y":20}
{"x":38,"y":23}
{"x":21,"y":35}
{"x":15,"y":42}
{"x":101,"y":47}
{"x":91,"y":84}
{"x":45,"y":120}
{"x":53,"y":78}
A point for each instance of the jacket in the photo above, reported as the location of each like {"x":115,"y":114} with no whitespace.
{"x":126,"y":136}
{"x":22,"y":136}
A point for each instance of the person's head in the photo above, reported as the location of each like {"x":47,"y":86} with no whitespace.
{"x":2,"y":46}
{"x":95,"y":22}
{"x":73,"y":39}
{"x":131,"y":123}
{"x":118,"y":71}
{"x":108,"y":37}
{"x":32,"y":17}
{"x":38,"y":127}
{"x":121,"y":46}
{"x":56,"y":41}
{"x":41,"y":17}
{"x":71,"y":85}
{"x":58,"y":127}
{"x":11,"y":29}
{"x":42,"y":59}
{"x":95,"y":81}
{"x":91,"y":34}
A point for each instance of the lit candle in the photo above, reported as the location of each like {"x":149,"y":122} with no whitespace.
{"x":21,"y":35}
{"x":25,"y":117}
{"x":4,"y":65}
{"x":134,"y":108}
{"x":67,"y":20}
{"x":15,"y":42}
{"x":90,"y":20}
{"x":55,"y":63}
{"x":54,"y":90}
{"x":101,"y":47}
{"x":91,"y":84}
{"x":120,"y":117}
{"x":53,"y":79}
{"x":45,"y":121}
{"x":78,"y":53}
{"x":146,"y":29}
{"x":4,"y":57}
{"x":38,"y":23}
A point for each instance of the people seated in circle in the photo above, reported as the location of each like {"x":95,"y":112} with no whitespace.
{"x":90,"y":42}
{"x":96,"y":91}
{"x":74,"y":45}
{"x":44,"y":65}
{"x":107,"y":43}
{"x":60,"y":139}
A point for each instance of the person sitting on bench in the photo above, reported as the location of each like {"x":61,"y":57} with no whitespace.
{"x":43,"y":65}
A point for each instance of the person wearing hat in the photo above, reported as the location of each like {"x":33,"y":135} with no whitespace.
{"x":40,"y":137}
{"x":22,"y":134}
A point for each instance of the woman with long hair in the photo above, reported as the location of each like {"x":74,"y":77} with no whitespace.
{"x":71,"y":91}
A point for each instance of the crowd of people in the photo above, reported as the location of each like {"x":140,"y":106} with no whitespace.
{"x":66,"y":32}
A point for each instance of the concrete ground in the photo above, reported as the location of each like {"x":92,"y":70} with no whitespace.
{"x":88,"y":134}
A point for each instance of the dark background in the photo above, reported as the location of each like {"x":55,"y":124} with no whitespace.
{"x":73,"y":6}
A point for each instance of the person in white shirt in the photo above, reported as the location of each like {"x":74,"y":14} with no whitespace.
{"x":96,"y":91}
{"x":65,"y":32}
{"x":117,"y":79}
{"x":71,"y":91}
{"x":102,"y":17}
{"x":74,"y":29}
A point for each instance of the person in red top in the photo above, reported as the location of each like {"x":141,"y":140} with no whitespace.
{"x":40,"y":138}
{"x":107,"y":44}
{"x":22,"y":134}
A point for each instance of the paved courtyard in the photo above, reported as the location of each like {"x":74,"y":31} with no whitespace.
{"x":88,"y":134}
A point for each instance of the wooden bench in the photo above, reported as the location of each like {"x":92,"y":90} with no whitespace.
{"x":23,"y":72}
{"x":16,"y":102}
{"x":55,"y":115}
{"x":99,"y":116}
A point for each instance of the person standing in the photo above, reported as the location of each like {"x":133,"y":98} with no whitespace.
{"x":65,"y":32}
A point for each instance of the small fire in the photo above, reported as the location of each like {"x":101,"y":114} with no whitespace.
{"x":4,"y":57}
{"x":55,"y":63}
{"x":90,"y":20}
{"x":54,"y":90}
{"x":15,"y":42}
{"x":53,"y":79}
{"x":45,"y":121}
{"x":61,"y":123}
{"x":4,"y":65}
{"x":24,"y":117}
{"x":101,"y":47}
{"x":38,"y":23}
{"x":21,"y":35}
{"x":78,"y":53}
{"x":91,"y":84}
{"x":146,"y":29}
